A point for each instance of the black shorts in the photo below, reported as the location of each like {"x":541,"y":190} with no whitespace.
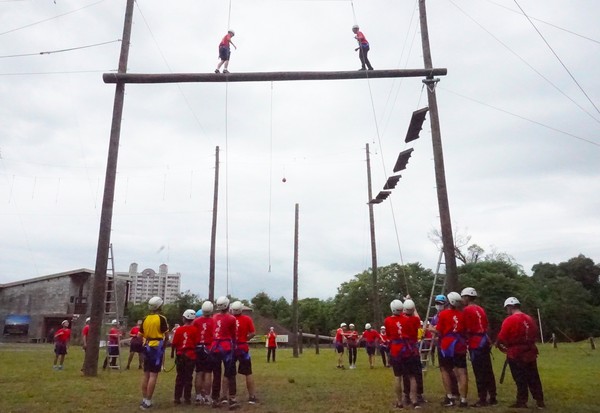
{"x":224,"y":53}
{"x":113,"y":349}
{"x":370,"y":350}
{"x":339,"y":347}
{"x":136,"y":345}
{"x":204,"y":360}
{"x":245,"y":363}
{"x":408,"y":366}
{"x":458,"y":361}
{"x":60,"y":349}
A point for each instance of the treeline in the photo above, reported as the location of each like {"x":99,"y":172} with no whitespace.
{"x":567,"y":296}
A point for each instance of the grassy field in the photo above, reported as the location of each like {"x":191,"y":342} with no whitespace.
{"x":309,"y":383}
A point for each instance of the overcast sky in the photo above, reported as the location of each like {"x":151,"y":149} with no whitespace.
{"x":521,"y":139}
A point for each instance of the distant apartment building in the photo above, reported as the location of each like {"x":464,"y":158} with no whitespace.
{"x":149,"y":283}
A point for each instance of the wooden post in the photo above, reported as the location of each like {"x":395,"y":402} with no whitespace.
{"x":438,"y":160}
{"x":374,"y":289}
{"x":540,"y":322}
{"x":213,"y":232}
{"x":90,"y":365}
{"x":300,"y":341}
{"x":317,"y":342}
{"x":295,"y":297}
{"x":592,"y":344}
{"x":554,"y":344}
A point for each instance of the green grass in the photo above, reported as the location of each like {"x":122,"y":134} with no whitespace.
{"x":310,"y":383}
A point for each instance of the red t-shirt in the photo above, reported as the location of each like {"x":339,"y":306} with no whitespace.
{"x":371,"y":337}
{"x":383,"y":339}
{"x":224,"y":332}
{"x":86,"y":330}
{"x":339,"y":335}
{"x":205,"y":326}
{"x":225,"y":41}
{"x":271,"y":339}
{"x":113,"y":336}
{"x":63,"y":335}
{"x":400,"y":329}
{"x":451,"y":328}
{"x":361,"y":38}
{"x":476,"y":325}
{"x":184,"y":341}
{"x":134,"y":331}
{"x":351,"y":338}
{"x":519,"y":333}
{"x":244,"y":327}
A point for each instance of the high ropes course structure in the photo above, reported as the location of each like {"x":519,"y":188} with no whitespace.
{"x":121,"y":78}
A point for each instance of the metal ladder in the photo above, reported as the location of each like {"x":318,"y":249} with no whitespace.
{"x":111,"y":312}
{"x":438,"y":287}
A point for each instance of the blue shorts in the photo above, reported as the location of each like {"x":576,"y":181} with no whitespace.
{"x":339,"y":347}
{"x":60,"y":349}
{"x":224,"y":53}
{"x":153,"y":359}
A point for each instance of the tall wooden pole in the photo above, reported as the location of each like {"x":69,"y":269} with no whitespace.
{"x":438,"y":159}
{"x":213,"y":232}
{"x":295,"y":297}
{"x":374,"y":289}
{"x":90,"y":367}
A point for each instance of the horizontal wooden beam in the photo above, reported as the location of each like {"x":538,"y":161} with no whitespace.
{"x":267,"y":76}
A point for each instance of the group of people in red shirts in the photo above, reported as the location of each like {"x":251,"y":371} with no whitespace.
{"x":213,"y":345}
{"x":347,"y":337}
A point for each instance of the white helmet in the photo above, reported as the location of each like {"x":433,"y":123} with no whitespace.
{"x":155,"y":303}
{"x":343,"y":325}
{"x":351,"y":325}
{"x":355,"y":27}
{"x":469,"y":292}
{"x":396,"y":307}
{"x":207,"y":308}
{"x":511,"y":301}
{"x":65,"y":323}
{"x":367,"y":326}
{"x":454,"y":298}
{"x":231,"y":31}
{"x":382,"y":328}
{"x":237,"y":307}
{"x":114,"y":322}
{"x":87,"y":320}
{"x":189,"y":314}
{"x":222,"y":303}
{"x":409,"y":305}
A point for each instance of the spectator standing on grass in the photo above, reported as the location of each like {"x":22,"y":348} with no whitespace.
{"x":479,"y":344}
{"x":352,"y":337}
{"x":222,"y":352}
{"x":244,"y":332}
{"x":339,"y":344}
{"x":517,"y":339}
{"x":136,"y":345}
{"x":204,"y":361}
{"x":84,"y":336}
{"x":154,"y":330}
{"x":370,"y":337}
{"x":271,"y":344}
{"x":184,"y":343}
{"x":453,"y":350}
{"x":61,"y":340}
{"x":384,"y":346}
{"x":113,"y":344}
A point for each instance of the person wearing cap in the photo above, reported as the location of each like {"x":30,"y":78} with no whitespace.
{"x":384,"y":346}
{"x":478,"y":342}
{"x":453,"y":350}
{"x":84,"y":337}
{"x":136,"y":345}
{"x":517,"y":338}
{"x":225,"y":51}
{"x":154,"y":330}
{"x":184,"y":343}
{"x":204,"y":362}
{"x":271,"y":344}
{"x":61,"y":339}
{"x":370,"y":337}
{"x":362,"y":49}
{"x":113,"y":345}
{"x":352,"y":338}
{"x":339,"y":344}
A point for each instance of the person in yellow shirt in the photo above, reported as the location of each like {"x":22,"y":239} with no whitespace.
{"x":153,"y":329}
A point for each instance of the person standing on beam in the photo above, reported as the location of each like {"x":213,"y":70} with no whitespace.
{"x":362,"y":49}
{"x":225,"y":51}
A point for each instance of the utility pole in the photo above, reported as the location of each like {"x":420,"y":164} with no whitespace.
{"x":295,"y":297}
{"x":375,"y":290}
{"x":213,"y":232}
{"x":90,"y":367}
{"x":438,"y":159}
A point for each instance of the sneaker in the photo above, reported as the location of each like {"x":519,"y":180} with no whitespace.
{"x":398,"y":406}
{"x":416,"y":406}
{"x":463,"y":404}
{"x":362,"y":68}
{"x":215,"y":404}
{"x":217,"y":71}
{"x":448,"y":402}
{"x":234,"y":404}
{"x":199,"y":400}
{"x":480,"y":403}
{"x":370,"y":68}
{"x":518,"y":406}
{"x":252,"y":400}
{"x":145,"y":406}
{"x":60,"y":367}
{"x":225,"y":71}
{"x":493,"y":401}
{"x":421,"y":399}
{"x":541,"y":405}
{"x":223,"y":400}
